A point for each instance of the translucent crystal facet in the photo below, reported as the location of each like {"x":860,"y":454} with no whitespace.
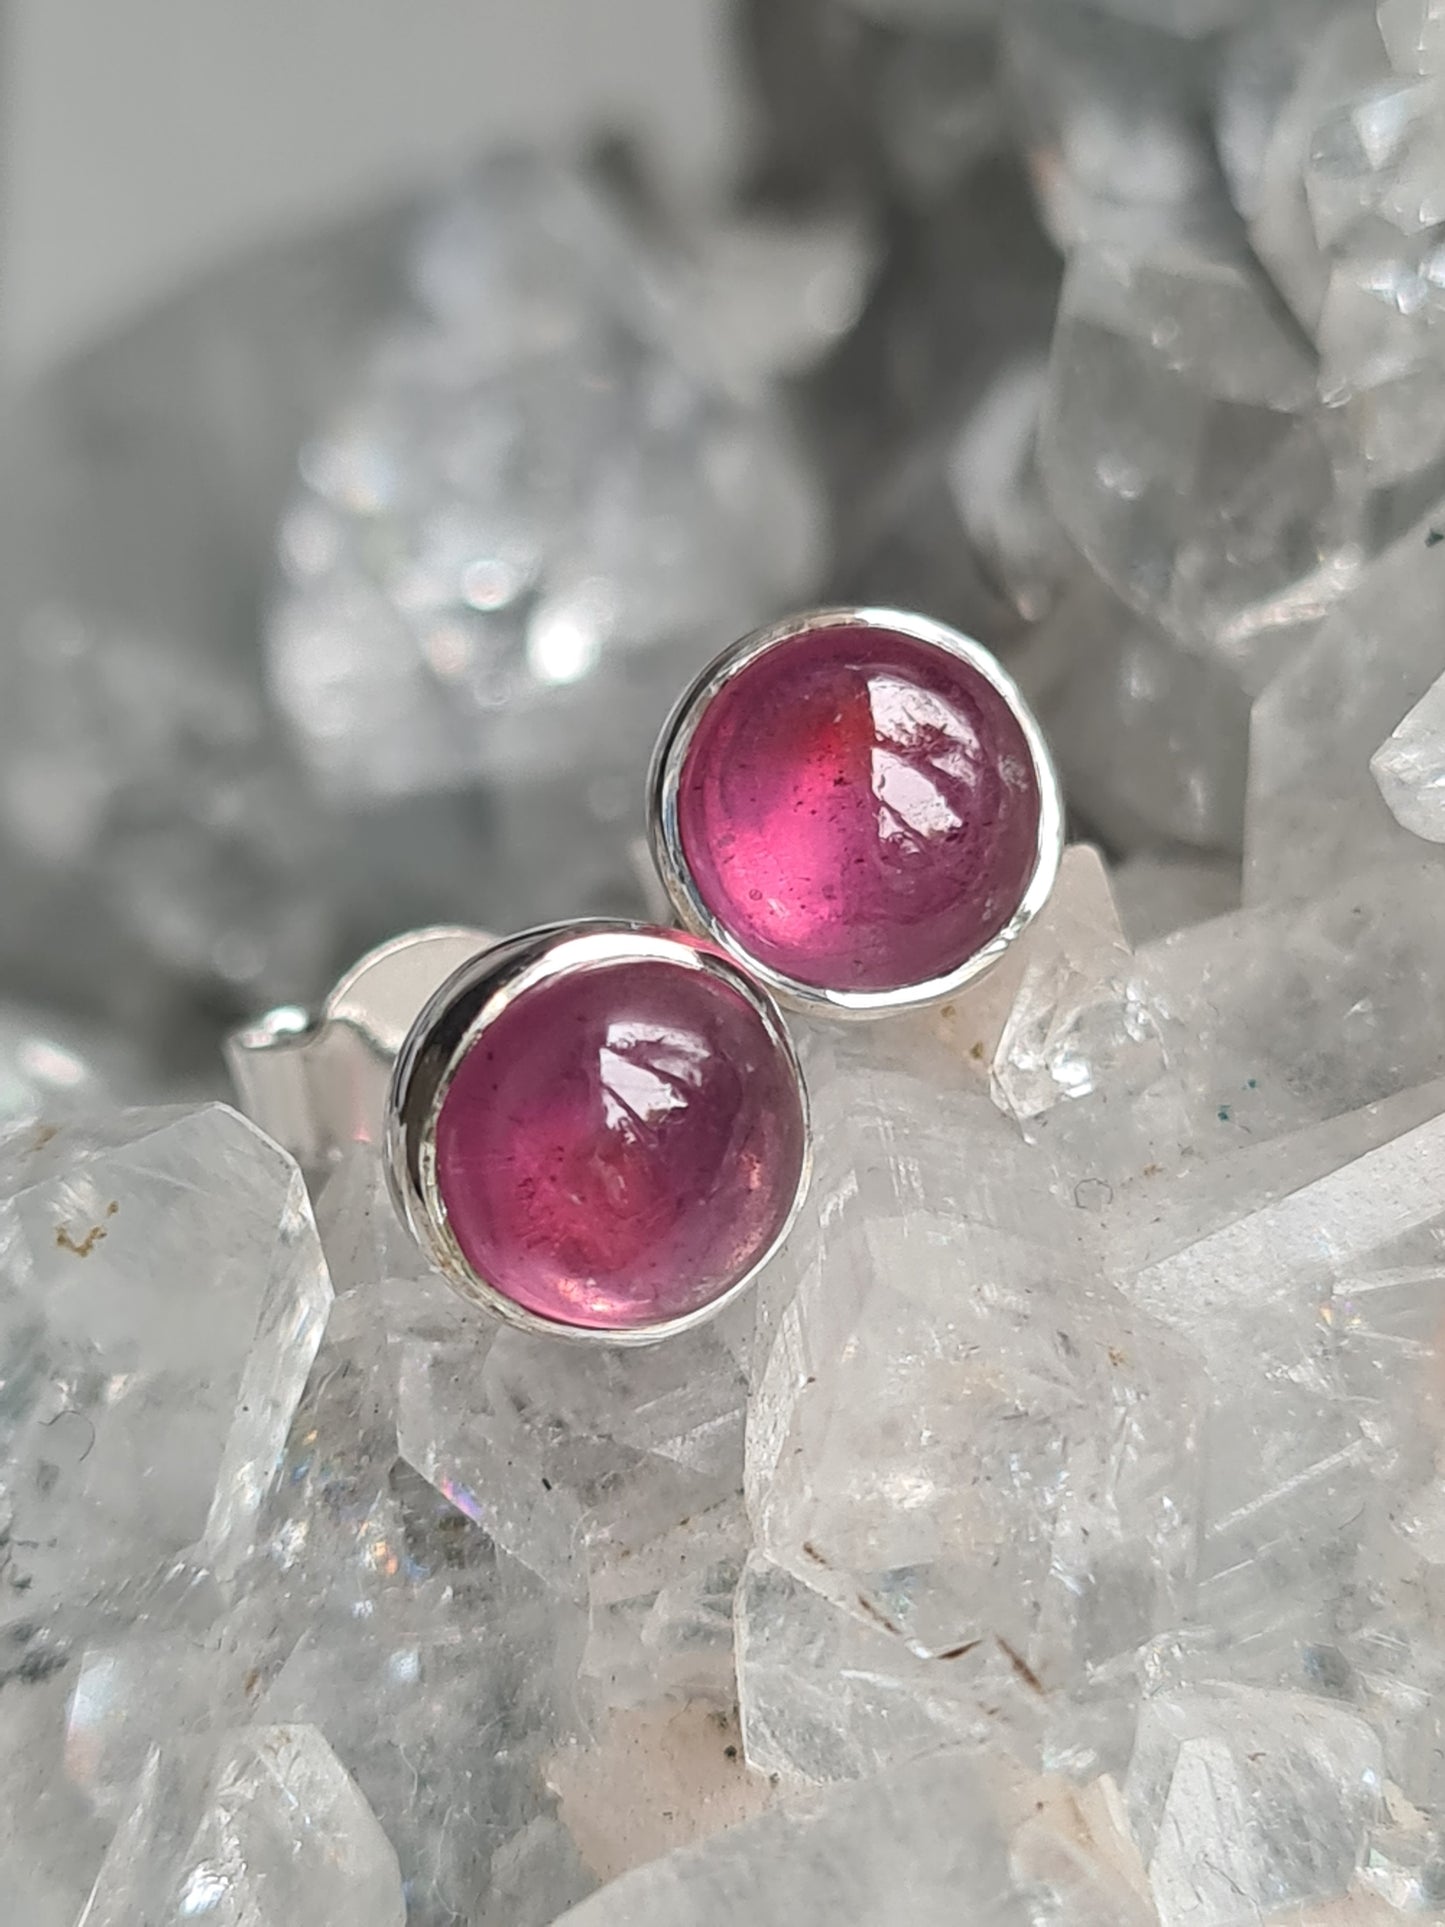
{"x":1314,"y":812}
{"x":148,"y":1414}
{"x":915,"y":1845}
{"x":622,"y":1145}
{"x":1110,"y":114}
{"x":827,"y":1696}
{"x":1346,"y":214}
{"x":952,"y":1393}
{"x":1054,"y":1537}
{"x":1151,"y":739}
{"x":162,"y":1296}
{"x":264,"y":1829}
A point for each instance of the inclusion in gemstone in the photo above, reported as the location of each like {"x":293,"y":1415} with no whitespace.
{"x":622,"y":1144}
{"x":859,"y":808}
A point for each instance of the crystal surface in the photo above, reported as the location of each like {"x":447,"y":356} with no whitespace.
{"x":1337,"y":1342}
{"x":859,"y":809}
{"x":994,"y":485}
{"x":51,"y":1064}
{"x":532,"y":509}
{"x":661,"y":1612}
{"x":265,"y":1831}
{"x":1331,"y":54}
{"x":1054,"y":1536}
{"x":1110,"y":113}
{"x":1244,"y":1803}
{"x":582,"y":1465}
{"x":1409,"y":767}
{"x":1185,"y":450}
{"x":1081,"y":948}
{"x":1152,"y":741}
{"x":146,"y":1417}
{"x":1224,"y":1037}
{"x":50,"y":1842}
{"x":622,"y":1145}
{"x":912,"y":1845}
{"x":1346,"y":216}
{"x":164,"y":1294}
{"x":1313,"y":811}
{"x":441,"y":1669}
{"x":954,"y":1437}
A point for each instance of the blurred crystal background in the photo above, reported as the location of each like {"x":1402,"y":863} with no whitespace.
{"x":1057,"y":1538}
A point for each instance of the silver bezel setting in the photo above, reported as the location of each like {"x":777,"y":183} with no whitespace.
{"x":664,"y":785}
{"x":467,"y":1005}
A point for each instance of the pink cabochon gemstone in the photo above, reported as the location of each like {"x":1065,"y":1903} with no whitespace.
{"x":621,"y":1145}
{"x":860,"y":809}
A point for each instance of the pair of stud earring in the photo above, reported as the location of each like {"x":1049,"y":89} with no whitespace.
{"x":601,"y":1129}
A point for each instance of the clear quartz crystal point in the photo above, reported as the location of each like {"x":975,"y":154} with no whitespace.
{"x":825,"y":1696}
{"x":441,"y":1671}
{"x":147,"y":1417}
{"x":160,"y":857}
{"x":949,"y":1396}
{"x":1245,"y":1802}
{"x":1409,"y":767}
{"x":1184,"y":448}
{"x":52,"y":1065}
{"x":1192,"y":19}
{"x":262,"y":1828}
{"x":536,"y":509}
{"x":918,"y":1845}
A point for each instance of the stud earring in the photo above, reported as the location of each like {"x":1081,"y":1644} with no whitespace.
{"x":598,"y":1129}
{"x":857,"y":806}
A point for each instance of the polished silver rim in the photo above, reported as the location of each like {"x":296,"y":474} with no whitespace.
{"x":665,"y":781}
{"x":452,"y":1021}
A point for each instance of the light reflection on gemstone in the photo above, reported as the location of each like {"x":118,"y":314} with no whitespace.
{"x":859,"y":809}
{"x":621,"y":1145}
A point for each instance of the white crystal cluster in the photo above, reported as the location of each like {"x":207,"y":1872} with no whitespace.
{"x":346,"y":592}
{"x":530,"y":496}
